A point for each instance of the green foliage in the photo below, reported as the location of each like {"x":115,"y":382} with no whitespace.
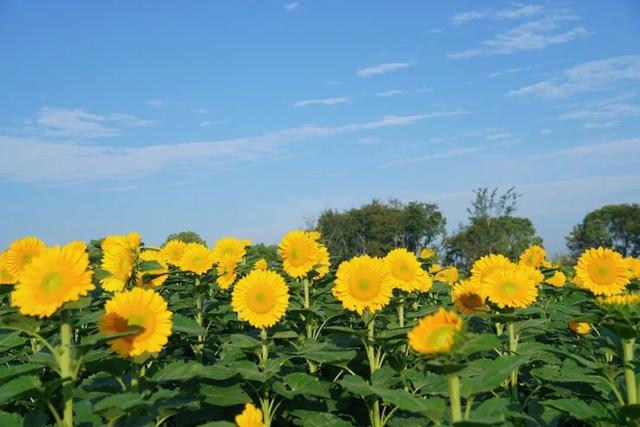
{"x":187,"y":237}
{"x":612,"y":226}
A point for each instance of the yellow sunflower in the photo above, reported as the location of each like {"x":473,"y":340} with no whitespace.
{"x":435,"y":333}
{"x":197,"y":259}
{"x":534,"y":274}
{"x":510,"y":287}
{"x":260,"y":298}
{"x":261,"y":264}
{"x":533,"y":256}
{"x":602,"y":271}
{"x":487,"y":264}
{"x":20,"y":254}
{"x":6,"y":278}
{"x":226,"y":271}
{"x":558,"y":279}
{"x":435,"y":268}
{"x":142,"y":308}
{"x":300,"y":252}
{"x":56,"y":276}
{"x":621,"y":300}
{"x":119,"y":255}
{"x":633,"y":267}
{"x":173,"y":251}
{"x":322,"y":262}
{"x":580,"y":328}
{"x":147,"y":279}
{"x":468,"y":299}
{"x":447,"y":275}
{"x":250,"y":417}
{"x":406,"y":272}
{"x":427,"y":253}
{"x":229,"y":248}
{"x":363,"y":283}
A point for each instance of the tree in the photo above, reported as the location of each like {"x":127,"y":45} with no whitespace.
{"x":612,"y":226}
{"x":491,"y":229}
{"x":378,"y":227}
{"x":187,"y":237}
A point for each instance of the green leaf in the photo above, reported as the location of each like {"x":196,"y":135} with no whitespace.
{"x":180,"y":371}
{"x":15,"y":388}
{"x":186,"y":325}
{"x":285,"y":335}
{"x":325,"y":352}
{"x":151,"y":265}
{"x":299,"y":383}
{"x":473,"y":343}
{"x":18,"y":322}
{"x":577,"y":408}
{"x":10,"y":420}
{"x":483,"y":375}
{"x":15,"y":371}
{"x":355,"y":384}
{"x":321,"y":419}
{"x":431,"y":408}
{"x":242,"y":341}
{"x":81,"y":303}
{"x":122,"y":401}
{"x":224,"y":396}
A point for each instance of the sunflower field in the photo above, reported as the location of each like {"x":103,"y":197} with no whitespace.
{"x":187,"y":335}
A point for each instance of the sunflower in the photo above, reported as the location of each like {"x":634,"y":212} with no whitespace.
{"x":300,"y":252}
{"x":633,"y":267}
{"x":173,"y":251}
{"x":534,"y":256}
{"x":226,"y":271}
{"x":20,"y":254}
{"x":510,"y":286}
{"x":363,"y":283}
{"x":427,"y":253}
{"x":534,"y":274}
{"x":6,"y":278}
{"x":56,"y":276}
{"x":467,"y":298}
{"x":261,"y":264}
{"x":435,"y":268}
{"x":157,"y":276}
{"x":602,"y":271}
{"x":447,"y":275}
{"x":322,"y":262}
{"x":406,"y":272}
{"x":119,"y":259}
{"x":619,"y":300}
{"x":141,"y":308}
{"x":250,"y":417}
{"x":558,"y":279}
{"x":229,"y":248}
{"x":260,"y":298}
{"x":197,"y":259}
{"x":486,"y":265}
{"x":580,"y":328}
{"x":435,"y":333}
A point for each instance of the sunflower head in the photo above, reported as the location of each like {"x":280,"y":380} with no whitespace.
{"x":261,"y":264}
{"x":511,"y":286}
{"x":250,"y":417}
{"x":448,"y":275}
{"x":154,"y":277}
{"x":6,"y":278}
{"x":602,"y":271}
{"x":534,"y":256}
{"x":363,"y":283}
{"x":197,"y":258}
{"x":435,"y":333}
{"x":468,"y":299}
{"x":322,"y":263}
{"x":580,"y":328}
{"x":260,"y":298}
{"x":558,"y":279}
{"x":427,"y":253}
{"x":173,"y":250}
{"x":405,"y":270}
{"x":486,"y":265}
{"x":230,"y":248}
{"x":226,"y":271}
{"x":300,"y":252}
{"x":141,"y":308}
{"x":633,"y":267}
{"x":20,"y":254}
{"x":119,"y":256}
{"x":56,"y":276}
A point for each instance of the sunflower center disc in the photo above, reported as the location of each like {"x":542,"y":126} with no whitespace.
{"x":261,"y":301}
{"x":440,"y":337}
{"x":52,"y":282}
{"x":135,"y":320}
{"x":510,"y":288}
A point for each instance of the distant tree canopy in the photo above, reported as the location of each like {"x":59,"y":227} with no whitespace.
{"x":378,"y":227}
{"x":613,"y":226}
{"x":260,"y":250}
{"x":491,"y":229}
{"x":187,"y":237}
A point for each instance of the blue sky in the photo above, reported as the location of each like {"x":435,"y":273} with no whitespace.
{"x":246,"y":117}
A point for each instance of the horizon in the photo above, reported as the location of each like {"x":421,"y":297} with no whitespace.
{"x":245,"y":119}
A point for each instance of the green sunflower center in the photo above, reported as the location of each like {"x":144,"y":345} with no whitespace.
{"x":440,"y":337}
{"x":52,"y":282}
{"x":510,"y":288}
{"x":135,"y":320}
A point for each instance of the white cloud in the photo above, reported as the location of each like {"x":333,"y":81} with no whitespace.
{"x":200,"y":111}
{"x":205,"y":124}
{"x":368,"y":141}
{"x":545,"y":131}
{"x":522,"y":11}
{"x":323,"y":101}
{"x":511,"y":71}
{"x":393,"y":92}
{"x":601,"y":125}
{"x":585,"y":77}
{"x":38,"y":159}
{"x":533,"y":35}
{"x":157,"y":103}
{"x":290,"y":7}
{"x":382,"y":68}
{"x":79,"y":124}
{"x":454,"y":152}
{"x":622,"y":146}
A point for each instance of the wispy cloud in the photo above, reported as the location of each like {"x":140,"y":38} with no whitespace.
{"x":616,"y":107}
{"x":601,"y":125}
{"x":368,"y":141}
{"x":382,"y":68}
{"x":393,"y":92}
{"x":322,"y":101}
{"x":290,"y":7}
{"x":585,"y":77}
{"x":453,"y":152}
{"x":533,"y":35}
{"x":522,"y":11}
{"x":622,"y":146}
{"x":157,"y":103}
{"x":511,"y":71}
{"x":209,"y":123}
{"x":39,"y":159}
{"x":79,"y":124}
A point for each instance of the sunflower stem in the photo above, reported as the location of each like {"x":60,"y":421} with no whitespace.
{"x":513,"y":348}
{"x":199,"y":319}
{"x":264,"y":354}
{"x":313,"y":368}
{"x":66,"y":370}
{"x":454,"y":397}
{"x":401,"y":311}
{"x":629,"y":374}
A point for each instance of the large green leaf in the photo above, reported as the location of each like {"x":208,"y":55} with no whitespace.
{"x":483,"y":375}
{"x":15,"y":388}
{"x":186,"y":325}
{"x":299,"y":383}
{"x":224,"y":396}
